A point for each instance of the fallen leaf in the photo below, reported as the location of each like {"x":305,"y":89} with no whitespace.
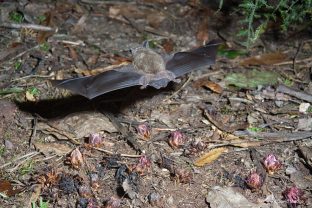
{"x":210,"y":85}
{"x":57,"y":148}
{"x":210,"y":156}
{"x":7,"y":189}
{"x":265,"y":59}
{"x":227,"y":197}
{"x":251,"y":79}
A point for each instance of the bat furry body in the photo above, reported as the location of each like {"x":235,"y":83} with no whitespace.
{"x":147,"y":69}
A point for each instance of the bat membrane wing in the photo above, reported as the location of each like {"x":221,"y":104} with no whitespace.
{"x":93,"y":86}
{"x":184,"y":62}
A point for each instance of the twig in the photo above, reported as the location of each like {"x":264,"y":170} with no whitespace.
{"x":295,"y":57}
{"x":179,"y":90}
{"x":292,"y":62}
{"x":34,"y":131}
{"x":32,"y":76}
{"x":22,"y":53}
{"x":295,"y":93}
{"x":112,"y":153}
{"x":281,"y":136}
{"x":27,"y":156}
{"x":28,"y":26}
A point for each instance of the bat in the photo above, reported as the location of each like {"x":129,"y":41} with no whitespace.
{"x":148,"y":68}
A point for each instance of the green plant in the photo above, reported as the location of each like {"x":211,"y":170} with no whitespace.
{"x":45,"y":47}
{"x":289,"y":11}
{"x":2,"y":150}
{"x":26,"y":168}
{"x":17,"y":65}
{"x":41,"y":18}
{"x":42,"y":204}
{"x":16,"y":17}
{"x":288,"y":82}
{"x":33,"y":91}
{"x":255,"y":129}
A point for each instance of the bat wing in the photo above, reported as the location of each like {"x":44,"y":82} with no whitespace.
{"x":184,"y":62}
{"x":93,"y":86}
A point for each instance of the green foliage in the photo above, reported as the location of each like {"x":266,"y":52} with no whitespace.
{"x":41,"y":18}
{"x":45,"y":47}
{"x":290,"y":12}
{"x":27,"y":168}
{"x":255,"y":129}
{"x":2,"y":150}
{"x":16,"y":17}
{"x":288,"y":82}
{"x":12,"y":90}
{"x":251,"y":79}
{"x":17,"y":65}
{"x":229,"y":53}
{"x":42,"y":204}
{"x":33,"y":91}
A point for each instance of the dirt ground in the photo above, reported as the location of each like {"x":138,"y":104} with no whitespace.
{"x":208,"y":141}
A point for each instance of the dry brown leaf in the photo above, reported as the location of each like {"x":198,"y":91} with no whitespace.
{"x":154,"y":19}
{"x":210,"y":156}
{"x":7,"y":189}
{"x":72,"y":53}
{"x":210,"y":85}
{"x":265,"y":59}
{"x":118,"y":12}
{"x":57,"y":148}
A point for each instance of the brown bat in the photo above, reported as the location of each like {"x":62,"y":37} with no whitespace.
{"x":148,"y":68}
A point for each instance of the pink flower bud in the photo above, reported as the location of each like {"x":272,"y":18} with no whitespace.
{"x":176,"y":139}
{"x":95,"y":139}
{"x":76,"y":158}
{"x":144,"y":131}
{"x":293,"y":195}
{"x":271,"y":164}
{"x":254,"y":180}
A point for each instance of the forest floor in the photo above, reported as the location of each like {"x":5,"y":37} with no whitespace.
{"x":235,"y":134}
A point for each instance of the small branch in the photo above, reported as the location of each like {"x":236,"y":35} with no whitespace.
{"x":295,"y":93}
{"x":28,"y":26}
{"x":112,"y":153}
